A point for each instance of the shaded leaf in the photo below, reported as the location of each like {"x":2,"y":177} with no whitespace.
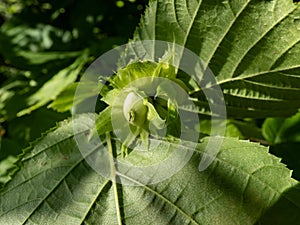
{"x":65,"y":100}
{"x":285,"y":210}
{"x":234,"y":128}
{"x":282,"y":130}
{"x":52,"y":88}
{"x":44,"y":57}
{"x":7,"y":165}
{"x":283,"y":134}
{"x":26,"y":129}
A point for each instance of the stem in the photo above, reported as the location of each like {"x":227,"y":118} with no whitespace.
{"x":113,"y":177}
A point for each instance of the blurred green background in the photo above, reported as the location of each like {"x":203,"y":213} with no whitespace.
{"x":39,"y":40}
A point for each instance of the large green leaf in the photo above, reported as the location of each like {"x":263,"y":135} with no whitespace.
{"x":55,"y":185}
{"x":251,"y":46}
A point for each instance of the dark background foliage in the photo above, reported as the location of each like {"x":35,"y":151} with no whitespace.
{"x":30,"y":31}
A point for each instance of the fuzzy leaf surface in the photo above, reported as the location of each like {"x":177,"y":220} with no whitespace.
{"x":252,"y":47}
{"x":55,"y":185}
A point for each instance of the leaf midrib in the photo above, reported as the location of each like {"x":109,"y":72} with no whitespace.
{"x":261,"y":73}
{"x":271,"y":86}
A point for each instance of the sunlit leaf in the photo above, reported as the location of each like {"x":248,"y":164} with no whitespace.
{"x":239,"y":186}
{"x":252,"y":47}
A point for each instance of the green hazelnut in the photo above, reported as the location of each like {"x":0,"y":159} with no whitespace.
{"x":134,"y":109}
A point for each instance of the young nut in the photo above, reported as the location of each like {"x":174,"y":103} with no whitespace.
{"x":134,"y":109}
